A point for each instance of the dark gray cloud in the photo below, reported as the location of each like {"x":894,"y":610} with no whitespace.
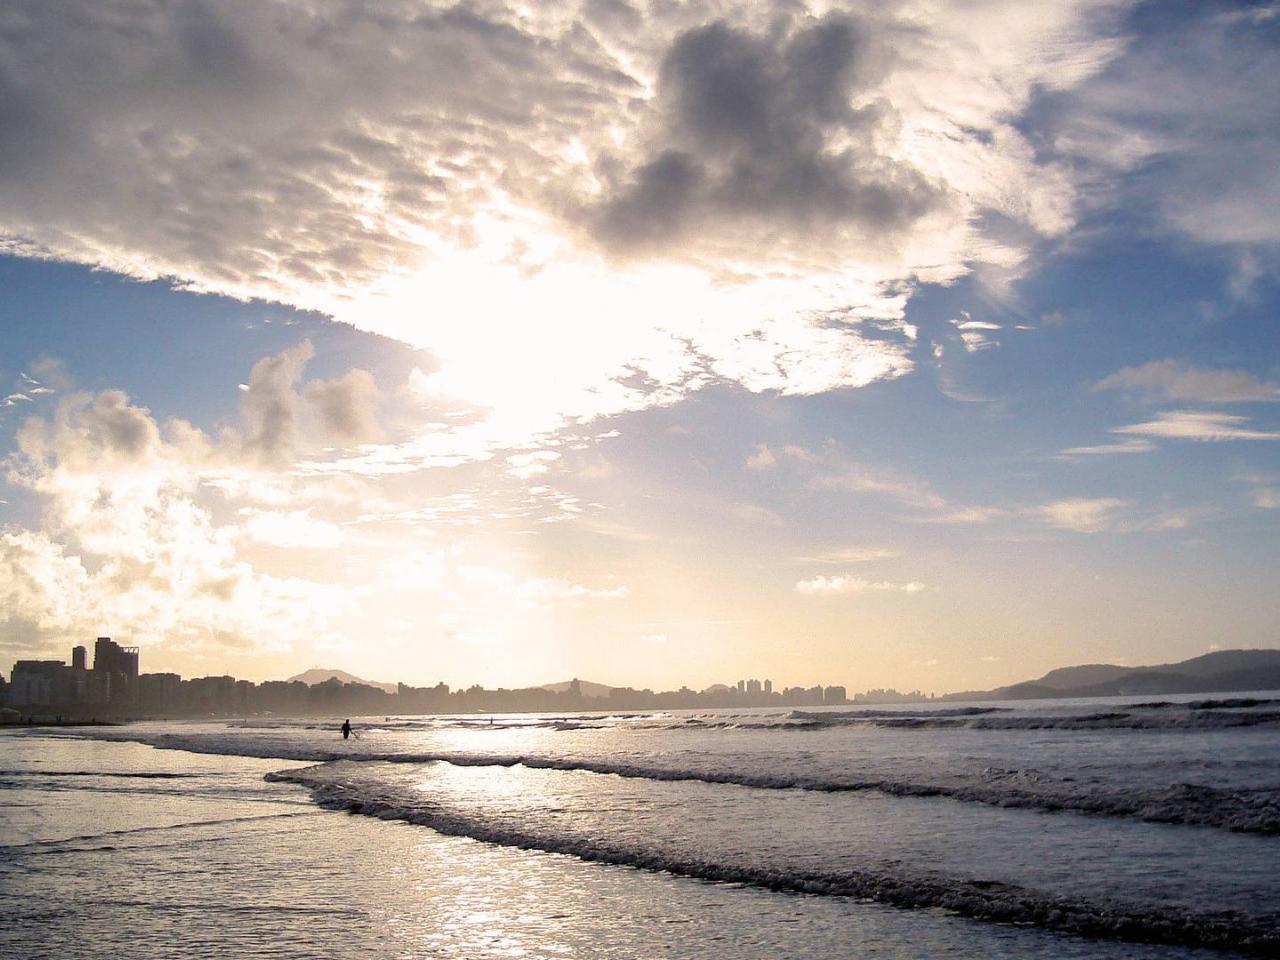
{"x":775,"y":131}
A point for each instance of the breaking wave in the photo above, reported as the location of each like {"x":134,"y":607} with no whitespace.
{"x":1203,"y":718}
{"x":1153,"y":715}
{"x":134,"y":775}
{"x":1254,"y":810}
{"x":977,"y":899}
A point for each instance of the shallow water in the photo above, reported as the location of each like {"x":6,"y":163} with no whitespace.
{"x":598,"y":836}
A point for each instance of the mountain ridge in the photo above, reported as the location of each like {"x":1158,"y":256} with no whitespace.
{"x":323,"y":674}
{"x":1221,"y":671}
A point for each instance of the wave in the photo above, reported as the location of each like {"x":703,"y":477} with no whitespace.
{"x":496,"y":722}
{"x":131,"y":831}
{"x":1226,"y":703}
{"x":1156,"y":714}
{"x":874,"y":713}
{"x":976,"y":899}
{"x":1198,"y":715}
{"x":103,"y":773}
{"x":1238,"y":810}
{"x":1203,"y":719}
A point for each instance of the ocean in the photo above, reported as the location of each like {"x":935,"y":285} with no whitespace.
{"x":1058,"y":829}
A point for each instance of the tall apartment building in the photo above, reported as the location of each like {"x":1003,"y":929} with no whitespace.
{"x":119,"y":666}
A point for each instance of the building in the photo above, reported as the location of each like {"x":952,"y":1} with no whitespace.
{"x":753,"y":688}
{"x":159,"y":692}
{"x":768,"y":687}
{"x":40,"y":683}
{"x":834,"y":696}
{"x":212,"y":694}
{"x":118,"y":668}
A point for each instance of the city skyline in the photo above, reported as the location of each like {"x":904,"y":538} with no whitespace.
{"x":114,"y":688}
{"x":916,"y":346}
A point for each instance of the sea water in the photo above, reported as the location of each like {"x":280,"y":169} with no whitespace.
{"x":1110,"y":828}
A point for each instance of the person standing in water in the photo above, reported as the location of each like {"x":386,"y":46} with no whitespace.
{"x":346,"y":729}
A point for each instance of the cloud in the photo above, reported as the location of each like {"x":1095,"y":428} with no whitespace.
{"x":1082,"y":514}
{"x":975,"y":334}
{"x":544,"y":591}
{"x":850,"y":555}
{"x":1107,"y":449}
{"x":1199,"y":425}
{"x":536,"y":592}
{"x":762,"y":459}
{"x":822,"y":585}
{"x":345,"y":407}
{"x":289,"y":528}
{"x":881,"y":481}
{"x":447,"y":174}
{"x":755,"y":514}
{"x":967,"y":515}
{"x":834,"y":471}
{"x":1181,"y":127}
{"x":1268,"y":498}
{"x":281,"y":420}
{"x":759,"y":133}
{"x":135,"y":534}
{"x":1175,"y":380}
{"x":1264,"y":489}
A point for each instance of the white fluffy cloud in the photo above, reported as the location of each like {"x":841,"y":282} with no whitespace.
{"x":130,"y":538}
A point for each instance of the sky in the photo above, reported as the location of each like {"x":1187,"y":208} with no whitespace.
{"x":914,"y":344}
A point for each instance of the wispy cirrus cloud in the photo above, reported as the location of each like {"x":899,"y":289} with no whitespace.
{"x":1176,"y":380}
{"x":850,"y":555}
{"x":1188,"y":107}
{"x":1082,"y":514}
{"x":976,"y":334}
{"x":1107,"y":449}
{"x":824,"y":585}
{"x":1200,"y":425}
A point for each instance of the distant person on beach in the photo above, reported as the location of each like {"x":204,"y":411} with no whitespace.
{"x":346,"y":729}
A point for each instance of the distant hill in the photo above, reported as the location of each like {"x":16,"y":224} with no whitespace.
{"x":320,"y":675}
{"x":1223,"y":671}
{"x":594,"y":691}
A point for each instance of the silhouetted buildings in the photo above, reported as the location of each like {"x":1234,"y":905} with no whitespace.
{"x":159,"y":693}
{"x":110,"y":687}
{"x":40,"y":682}
{"x":114,"y":689}
{"x":118,"y":668}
